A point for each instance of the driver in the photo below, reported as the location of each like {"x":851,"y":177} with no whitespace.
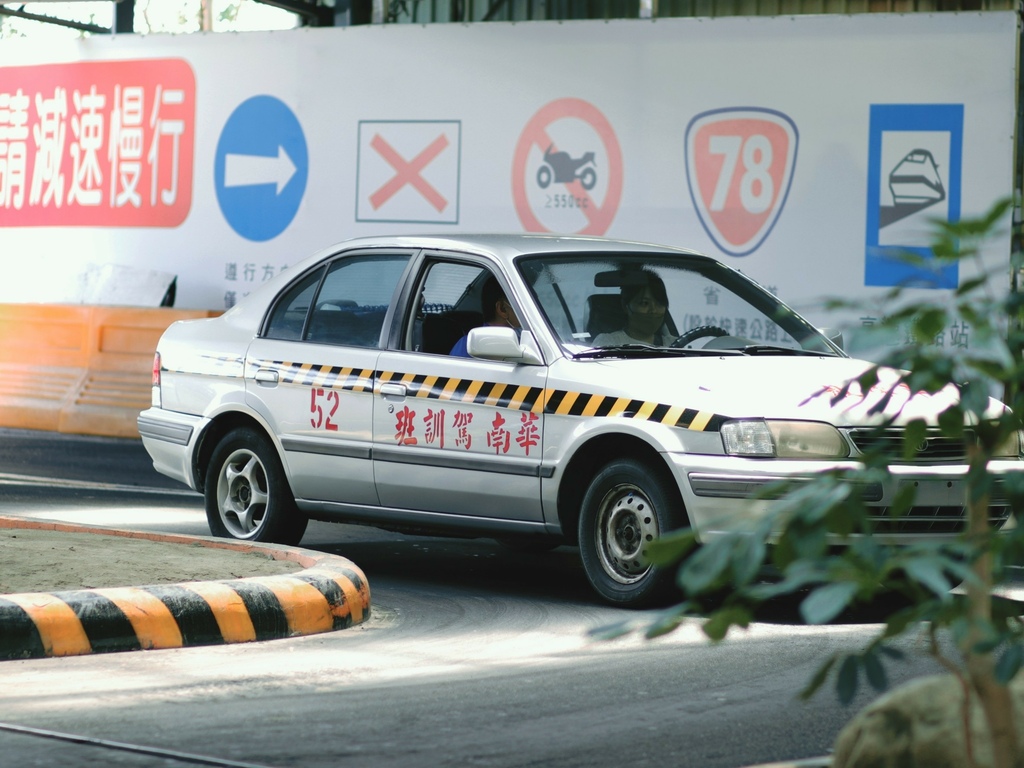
{"x":645,"y":303}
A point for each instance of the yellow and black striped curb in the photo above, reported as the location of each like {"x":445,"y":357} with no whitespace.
{"x":331,"y":593}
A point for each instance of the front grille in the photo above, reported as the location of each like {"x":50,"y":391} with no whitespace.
{"x":919,"y":520}
{"x":935,"y":447}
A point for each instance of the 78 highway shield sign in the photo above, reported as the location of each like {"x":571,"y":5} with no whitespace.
{"x":739,"y":167}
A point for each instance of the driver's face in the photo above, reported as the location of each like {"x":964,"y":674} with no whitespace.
{"x":646,"y":311}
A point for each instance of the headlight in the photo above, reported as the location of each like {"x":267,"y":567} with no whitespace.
{"x":783,"y":439}
{"x":1010,"y":447}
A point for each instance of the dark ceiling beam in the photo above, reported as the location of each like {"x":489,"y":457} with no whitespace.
{"x":124,"y":16}
{"x":79,"y":25}
{"x":317,"y":15}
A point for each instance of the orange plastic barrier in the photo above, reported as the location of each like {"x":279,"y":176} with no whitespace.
{"x":79,"y":369}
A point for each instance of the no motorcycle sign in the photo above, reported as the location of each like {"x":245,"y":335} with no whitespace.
{"x":567,"y":170}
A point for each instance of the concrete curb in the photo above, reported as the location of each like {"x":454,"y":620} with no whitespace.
{"x":331,"y":593}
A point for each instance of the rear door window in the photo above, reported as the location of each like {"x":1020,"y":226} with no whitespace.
{"x":344,"y":303}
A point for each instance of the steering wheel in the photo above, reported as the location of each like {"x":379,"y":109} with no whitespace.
{"x":697,"y":333}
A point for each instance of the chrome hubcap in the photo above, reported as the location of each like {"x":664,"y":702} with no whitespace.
{"x":242,"y":494}
{"x":626,"y":526}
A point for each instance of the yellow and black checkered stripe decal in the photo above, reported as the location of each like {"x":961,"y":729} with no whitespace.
{"x":469,"y":391}
{"x":564,"y":403}
{"x":326,"y":376}
{"x":514,"y":397}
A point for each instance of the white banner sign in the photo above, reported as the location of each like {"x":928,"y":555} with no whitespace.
{"x":806,"y":151}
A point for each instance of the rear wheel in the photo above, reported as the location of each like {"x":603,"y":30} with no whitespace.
{"x":247,"y":493}
{"x":628,"y":505}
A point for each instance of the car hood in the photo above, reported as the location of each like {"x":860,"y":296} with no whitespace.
{"x":738,"y":386}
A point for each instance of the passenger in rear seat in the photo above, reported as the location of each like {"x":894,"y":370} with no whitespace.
{"x":497,"y":311}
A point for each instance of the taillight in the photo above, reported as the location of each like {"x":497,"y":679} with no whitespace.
{"x":155,"y":399}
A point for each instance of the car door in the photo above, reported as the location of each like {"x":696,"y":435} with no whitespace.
{"x":454,"y":435}
{"x":310,"y":373}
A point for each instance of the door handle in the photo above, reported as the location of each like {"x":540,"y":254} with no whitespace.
{"x":392,"y":390}
{"x":266,"y":376}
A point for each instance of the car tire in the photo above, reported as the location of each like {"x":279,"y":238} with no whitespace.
{"x":247,"y":494}
{"x":627,"y":505}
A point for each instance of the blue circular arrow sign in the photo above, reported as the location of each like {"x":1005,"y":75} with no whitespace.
{"x":261,"y":167}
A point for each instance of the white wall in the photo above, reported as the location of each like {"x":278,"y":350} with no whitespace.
{"x":632,"y":91}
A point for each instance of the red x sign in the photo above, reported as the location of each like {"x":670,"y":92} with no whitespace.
{"x":408,"y":172}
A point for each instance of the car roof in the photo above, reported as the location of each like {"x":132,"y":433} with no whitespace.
{"x":506,"y":247}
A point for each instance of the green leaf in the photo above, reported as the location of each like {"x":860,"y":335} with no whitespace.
{"x":827,"y":602}
{"x":928,"y":573}
{"x":721,"y":621}
{"x":869,"y":379}
{"x":847,"y":680}
{"x":796,"y":578}
{"x":951,"y":421}
{"x":913,"y":437}
{"x":967,"y":286}
{"x":819,"y":678}
{"x":904,"y":501}
{"x":874,"y":671}
{"x":672,"y":548}
{"x":705,"y":567}
{"x":995,"y":213}
{"x":928,"y":324}
{"x":747,"y":558}
{"x":991,"y":639}
{"x":1009,"y":663}
{"x":812,"y":502}
{"x":668,"y":621}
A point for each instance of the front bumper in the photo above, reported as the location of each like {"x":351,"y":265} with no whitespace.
{"x":724,"y":493}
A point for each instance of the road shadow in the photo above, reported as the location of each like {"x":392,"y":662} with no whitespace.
{"x":486,"y":567}
{"x":474,"y":565}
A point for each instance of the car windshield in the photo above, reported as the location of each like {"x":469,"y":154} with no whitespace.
{"x":605,"y":305}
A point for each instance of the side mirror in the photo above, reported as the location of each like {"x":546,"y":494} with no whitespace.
{"x":504,"y":344}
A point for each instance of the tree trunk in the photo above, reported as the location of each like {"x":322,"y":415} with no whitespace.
{"x":995,"y":699}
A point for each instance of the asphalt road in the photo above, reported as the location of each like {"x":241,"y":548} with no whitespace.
{"x":474,"y":656}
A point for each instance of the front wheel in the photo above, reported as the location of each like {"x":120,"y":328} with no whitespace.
{"x":628,"y":505}
{"x":247,"y":494}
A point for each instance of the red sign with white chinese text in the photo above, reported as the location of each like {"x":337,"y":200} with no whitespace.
{"x":102,"y":144}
